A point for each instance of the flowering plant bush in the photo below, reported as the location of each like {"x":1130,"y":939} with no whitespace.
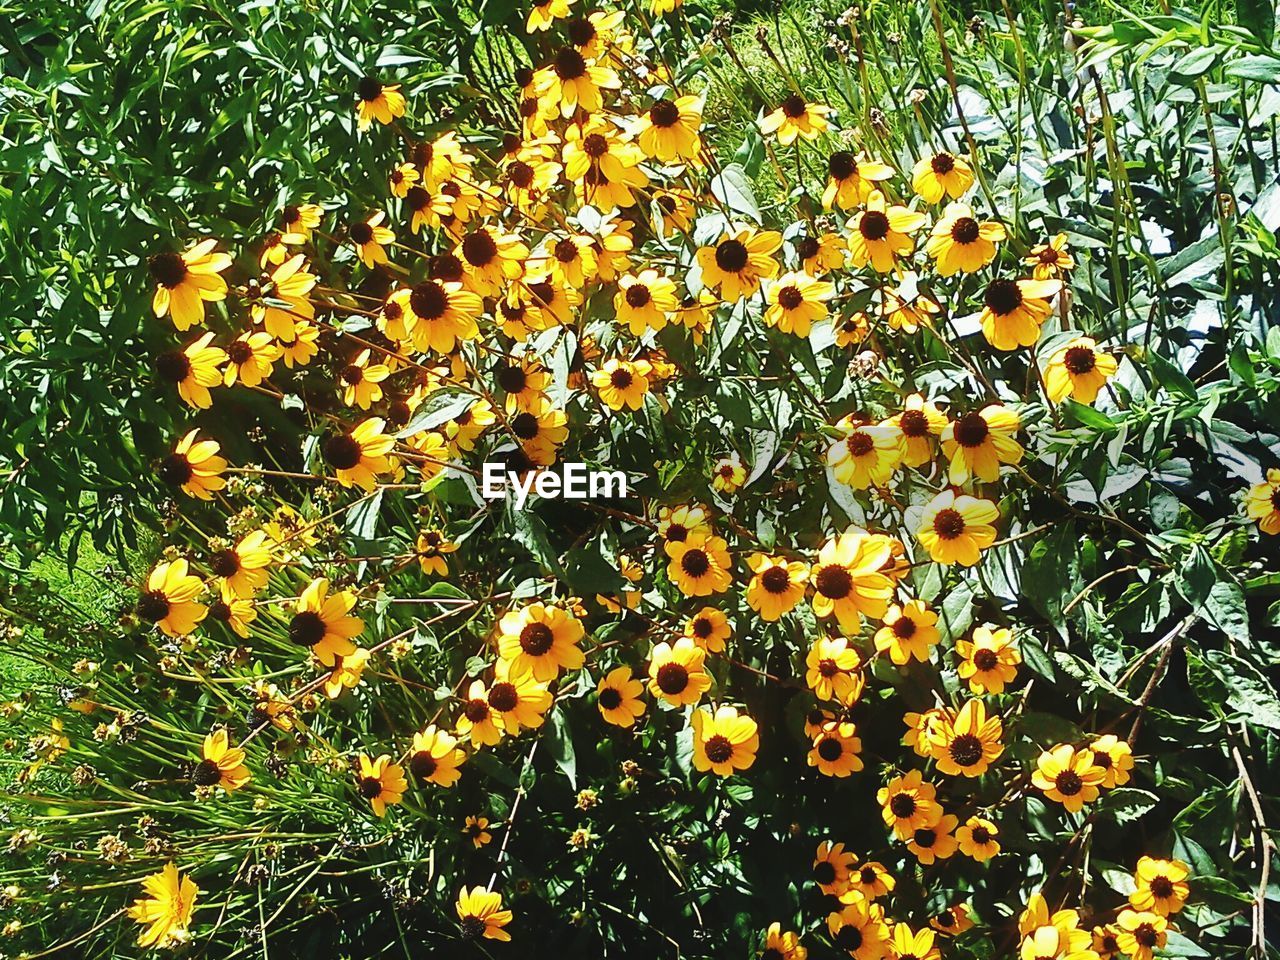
{"x":933,"y":619}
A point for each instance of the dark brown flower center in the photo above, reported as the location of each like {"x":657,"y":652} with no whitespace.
{"x":352,"y":374}
{"x":206,"y":773}
{"x":664,"y":113}
{"x":175,"y":470}
{"x":830,"y":749}
{"x":1003,"y":297}
{"x":504,"y":697}
{"x":1079,"y":360}
{"x":581,"y":31}
{"x":167,"y":269}
{"x":695,"y":562}
{"x":868,"y":876}
{"x":834,"y":582}
{"x":423,"y":765}
{"x":824,"y":872}
{"x":841,"y":165}
{"x":981,"y":836}
{"x":173,"y":367}
{"x":948,"y":524}
{"x":620,"y":379}
{"x":429,"y":300}
{"x":569,"y":64}
{"x":913,"y":423}
{"x":368,"y":89}
{"x":239,"y":351}
{"x":849,"y":938}
{"x":479,"y":248}
{"x":536,"y":639}
{"x":1068,"y":783}
{"x":965,"y":750}
{"x":361,"y":233}
{"x":790,"y":297}
{"x":965,"y":230}
{"x":793,"y":106}
{"x":595,"y":145}
{"x":153,"y":606}
{"x":672,"y":678}
{"x":307,"y":628}
{"x":971,"y":430}
{"x":926,"y":837}
{"x":904,"y":627}
{"x":860,"y":444}
{"x":512,"y":379}
{"x":719,"y":749}
{"x":638,"y":295}
{"x":874,"y":225}
{"x":776,"y":580}
{"x":942,"y":163}
{"x":985,"y":660}
{"x":225,"y":563}
{"x":524,"y":425}
{"x":610,"y":698}
{"x":342,"y":451}
{"x":902,"y":805}
{"x":520,"y":174}
{"x":472,"y":927}
{"x":477,"y":711}
{"x":1162,"y":887}
{"x":731,"y":255}
{"x":370,"y":787}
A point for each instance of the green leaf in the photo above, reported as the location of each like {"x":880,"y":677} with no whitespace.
{"x":732,"y":187}
{"x":1248,"y":692}
{"x":440,"y":407}
{"x":560,"y":744}
{"x":1171,"y":377}
{"x":1127,"y":804}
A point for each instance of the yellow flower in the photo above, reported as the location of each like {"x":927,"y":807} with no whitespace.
{"x":859,"y":930}
{"x":301,"y":350}
{"x":780,"y":945}
{"x":572,"y":82}
{"x":251,"y":357}
{"x":480,"y":913}
{"x":953,"y":921}
{"x":169,"y":600}
{"x":1115,"y":756}
{"x":833,"y":670}
{"x":977,"y":839}
{"x":194,"y":369}
{"x":1160,"y":886}
{"x":835,"y":750}
{"x":962,"y":244}
{"x":728,"y":474}
{"x":910,"y":631}
{"x":723,"y":742}
{"x":1050,"y":260}
{"x":542,"y":638}
{"x":242,"y":569}
{"x":908,"y":313}
{"x":979,"y":442}
{"x":434,"y":757}
{"x":870,"y":881}
{"x":430,"y":548}
{"x":321,"y":623}
{"x":221,"y":765}
{"x":709,"y":628}
{"x":668,"y":130}
{"x":403,"y":176}
{"x":677,"y":674}
{"x":1013,"y":311}
{"x":796,"y":302}
{"x":369,"y":238}
{"x":381,"y":782}
{"x":517,"y":699}
{"x":943,"y":174}
{"x":851,"y":180}
{"x":477,"y":830}
{"x":880,"y":233}
{"x":909,"y":803}
{"x":676,"y":524}
{"x":794,"y":118}
{"x":1141,"y":933}
{"x":736,"y":264}
{"x":622,"y":383}
{"x":491,"y":259}
{"x":934,"y":842}
{"x":235,"y":612}
{"x":194,"y":467}
{"x":1262,"y":503}
{"x":956,"y":529}
{"x":831,"y":867}
{"x":968,"y":744}
{"x":777,"y":585}
{"x":438,"y":314}
{"x":911,"y":945}
{"x":544,"y":13}
{"x":289,"y":284}
{"x":377,"y":101}
{"x":1078,"y":370}
{"x":645,"y":302}
{"x":867,"y":455}
{"x":988,"y":660}
{"x":166,"y":911}
{"x":699,"y":565}
{"x":821,"y":255}
{"x":345,"y":673}
{"x":618,"y":697}
{"x":359,"y":455}
{"x":1068,"y":776}
{"x":919,"y":423}
{"x":186,"y":281}
{"x":297,"y":220}
{"x":847,"y":579}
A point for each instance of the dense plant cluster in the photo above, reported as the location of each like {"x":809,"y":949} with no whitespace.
{"x":935,"y":619}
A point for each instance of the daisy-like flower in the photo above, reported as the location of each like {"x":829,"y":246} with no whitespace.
{"x":381,"y":782}
{"x":618,"y":697}
{"x":572,"y":258}
{"x":544,"y":13}
{"x":402,"y":177}
{"x":542,"y":638}
{"x":724,"y":742}
{"x":859,"y":930}
{"x":478,"y":721}
{"x":572,"y":82}
{"x":194,"y":369}
{"x":242,"y":569}
{"x":346,"y":673}
{"x":668,"y":130}
{"x":1141,"y":933}
{"x":833,"y":670}
{"x":736,"y":264}
{"x":480,"y":914}
{"x":297,"y":220}
{"x":909,"y":803}
{"x":370,"y":238}
{"x":709,"y":628}
{"x":908,"y":312}
{"x":361,"y":381}
{"x":821,"y":255}
{"x":835,"y":750}
{"x":1068,"y":776}
{"x":980,"y":441}
{"x":302,"y":349}
{"x":699,"y":565}
{"x":167,"y":908}
{"x":430,"y":549}
{"x":969,"y":743}
{"x":233,"y":611}
{"x":852,"y":329}
{"x":952,"y":921}
{"x":540,"y":431}
{"x":881,"y":233}
{"x":194,"y":467}
{"x":169,"y":600}
{"x":677,"y":673}
{"x":1115,"y":756}
{"x":427,"y":208}
{"x":622,"y":383}
{"x":777,"y":585}
{"x":956,"y":529}
{"x":434,"y":757}
{"x":978,"y":839}
{"x":796,"y":302}
{"x":377,"y":101}
{"x":988,"y":659}
{"x":943,"y":174}
{"x":850,"y":180}
{"x":920,"y":424}
{"x":516,"y":699}
{"x":524,"y":380}
{"x":1105,"y":942}
{"x":1052,"y":260}
{"x":676,"y":524}
{"x":867,"y":455}
{"x":1160,"y":885}
{"x":186,"y":281}
{"x":645,"y":301}
{"x":935,"y":842}
{"x":870,"y":881}
{"x":962,"y":244}
{"x":251,"y":357}
{"x":795,"y":117}
{"x":922,"y":726}
{"x":440,"y":313}
{"x":910,"y":631}
{"x":491,"y":259}
{"x":832,"y":865}
{"x":847,"y":579}
{"x":476,"y":829}
{"x":1262,"y":503}
{"x":675,"y":209}
{"x":1037,"y":915}
{"x":782,"y":945}
{"x":360,"y":454}
{"x":289,"y":284}
{"x":321,"y":623}
{"x":221,"y":765}
{"x":728,"y":474}
{"x":1013,"y":311}
{"x":913,"y":945}
{"x":1078,"y":370}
